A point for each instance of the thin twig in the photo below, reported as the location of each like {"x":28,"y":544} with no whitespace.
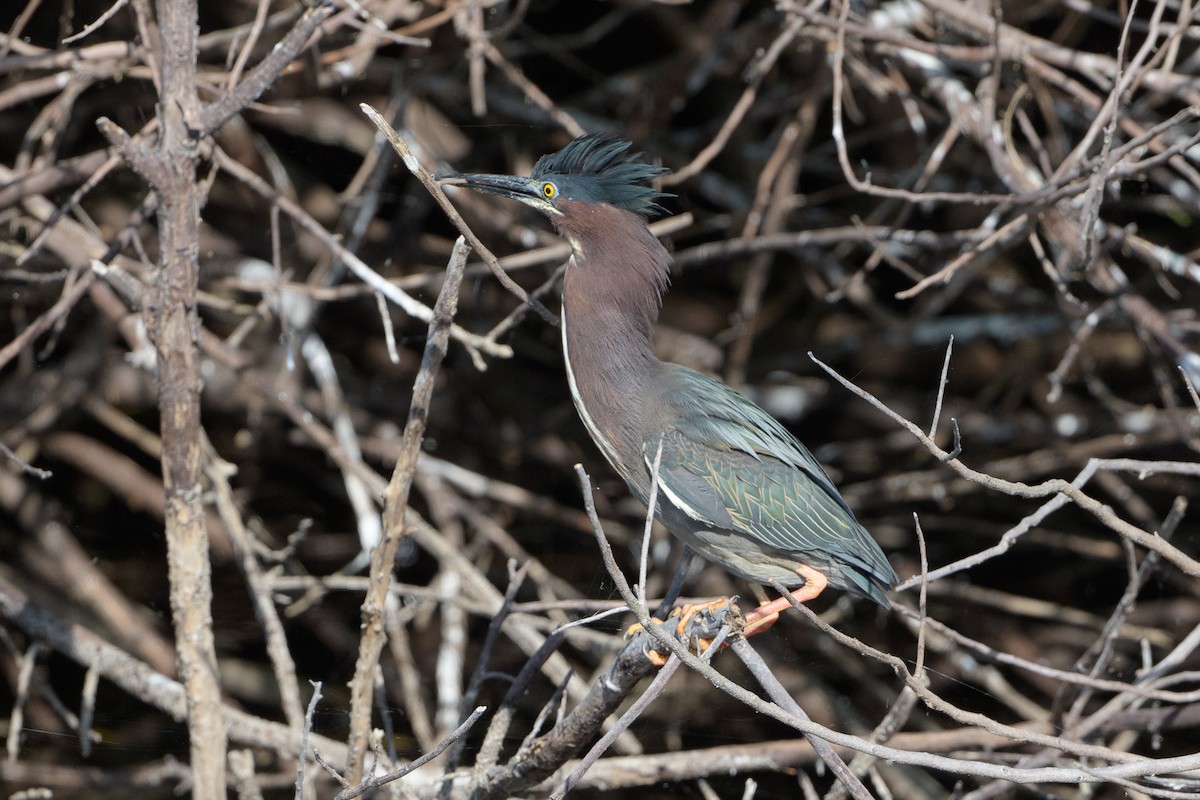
{"x":435,"y":190}
{"x":651,"y":505}
{"x":395,"y":775}
{"x":305,"y":733}
{"x":395,"y":507}
{"x":937,"y":408}
{"x":1060,"y":491}
{"x":762,"y":673}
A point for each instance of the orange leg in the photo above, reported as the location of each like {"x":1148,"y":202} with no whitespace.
{"x":763,"y":617}
{"x":758,"y":620}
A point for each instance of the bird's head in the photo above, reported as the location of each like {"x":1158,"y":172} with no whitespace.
{"x":592,"y":170}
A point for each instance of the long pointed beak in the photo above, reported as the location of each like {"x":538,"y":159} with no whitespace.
{"x":508,"y":186}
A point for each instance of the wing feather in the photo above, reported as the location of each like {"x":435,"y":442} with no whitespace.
{"x":735,"y":467}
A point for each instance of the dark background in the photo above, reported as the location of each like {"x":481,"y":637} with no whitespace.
{"x":1070,"y":343}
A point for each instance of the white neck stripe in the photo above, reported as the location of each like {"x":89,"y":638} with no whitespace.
{"x":599,"y":438}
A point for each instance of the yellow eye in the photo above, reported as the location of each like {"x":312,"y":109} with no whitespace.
{"x":549,"y":190}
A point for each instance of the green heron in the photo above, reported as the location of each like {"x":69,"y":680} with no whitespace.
{"x":735,"y":486}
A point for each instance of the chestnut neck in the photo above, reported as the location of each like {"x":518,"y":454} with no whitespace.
{"x":612,"y":293}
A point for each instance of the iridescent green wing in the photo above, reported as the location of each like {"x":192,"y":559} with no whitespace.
{"x":715,"y":416}
{"x":775,"y":503}
{"x":731,"y":464}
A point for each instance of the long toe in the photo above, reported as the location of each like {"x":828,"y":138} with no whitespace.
{"x":637,"y":628}
{"x":685,"y":613}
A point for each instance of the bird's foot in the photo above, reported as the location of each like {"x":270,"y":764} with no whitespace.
{"x":657,"y":658}
{"x":637,"y":627}
{"x":696,"y":624}
{"x":712,"y":611}
{"x":700,"y":623}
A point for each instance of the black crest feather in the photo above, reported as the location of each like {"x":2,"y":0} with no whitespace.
{"x":598,"y":168}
